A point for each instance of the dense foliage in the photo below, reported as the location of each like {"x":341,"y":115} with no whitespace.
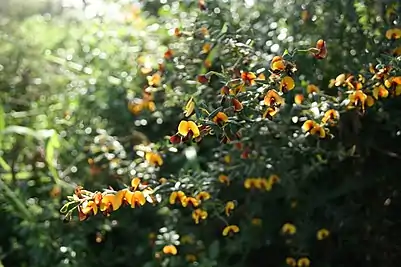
{"x":204,"y":133}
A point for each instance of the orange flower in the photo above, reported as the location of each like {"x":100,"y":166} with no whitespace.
{"x":311,"y":88}
{"x":313,"y":128}
{"x":220,"y":118}
{"x":358,"y":98}
{"x":273,"y":99}
{"x":206,"y":48}
{"x":393,"y":33}
{"x":225,"y":90}
{"x":199,"y":214}
{"x":320,"y":52}
{"x":170,"y":249}
{"x":202,"y":196}
{"x":237,"y":105}
{"x":248,"y":78}
{"x":202,"y":79}
{"x":330,"y":116}
{"x":380,"y":91}
{"x":188,"y":128}
{"x":177,"y":32}
{"x":230,"y":229}
{"x":287,"y":84}
{"x":394,"y":83}
{"x":204,"y":31}
{"x":298,"y":99}
{"x":168,"y":54}
{"x":230,"y":205}
{"x":352,"y":83}
{"x":224,"y":179}
{"x":154,"y":158}
{"x":277,"y":64}
{"x":154,"y":80}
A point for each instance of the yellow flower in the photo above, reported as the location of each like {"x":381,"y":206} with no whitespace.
{"x":380,"y":91}
{"x":289,"y":229}
{"x":227,"y":159}
{"x":189,"y":107}
{"x":330,"y":116}
{"x":322,"y":234}
{"x":224,"y":179}
{"x":393,"y":33}
{"x":230,"y":205}
{"x":220,"y":118}
{"x":199,"y":214}
{"x":256,"y":221}
{"x":291,"y":261}
{"x":190,"y":257}
{"x":154,"y":80}
{"x":303,"y":262}
{"x":138,"y":198}
{"x":277,"y":64}
{"x":176,"y":195}
{"x":170,"y":249}
{"x":274,"y":178}
{"x":270,"y":112}
{"x":188,"y":127}
{"x":189,"y":200}
{"x":203,"y":196}
{"x":299,"y":98}
{"x":154,"y":158}
{"x":135,"y":183}
{"x":230,"y":229}
{"x":257,"y":183}
{"x":287,"y":84}
{"x":90,"y":207}
{"x":358,"y":98}
{"x":248,"y":77}
{"x":187,"y":239}
{"x":112,"y":202}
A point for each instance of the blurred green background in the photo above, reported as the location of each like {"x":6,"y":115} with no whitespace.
{"x":70,"y":72}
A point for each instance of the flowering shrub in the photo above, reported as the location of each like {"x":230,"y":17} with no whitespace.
{"x":257,"y":120}
{"x":240,"y":155}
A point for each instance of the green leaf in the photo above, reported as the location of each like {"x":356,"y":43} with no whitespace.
{"x":214,"y":250}
{"x":52,"y":144}
{"x":214,"y":113}
{"x":2,"y":123}
{"x":4,"y":165}
{"x":224,"y":29}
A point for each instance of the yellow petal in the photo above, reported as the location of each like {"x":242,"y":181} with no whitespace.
{"x":183,"y":128}
{"x":194,"y":128}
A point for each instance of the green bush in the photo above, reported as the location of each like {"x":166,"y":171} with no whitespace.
{"x":290,"y":159}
